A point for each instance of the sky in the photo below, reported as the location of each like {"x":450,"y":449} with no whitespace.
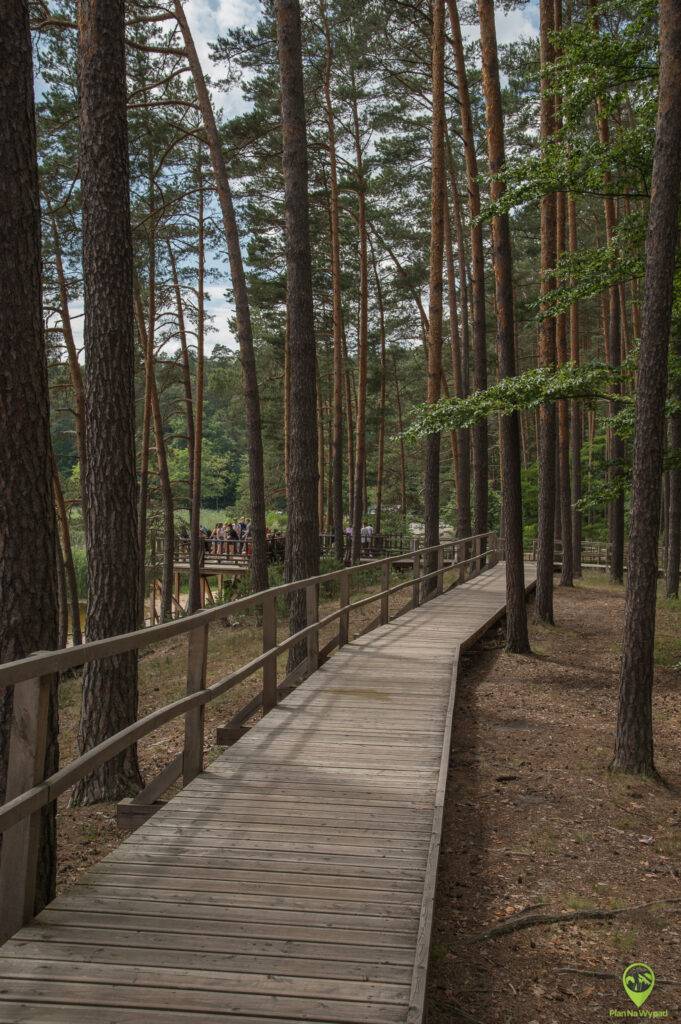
{"x":210,"y":18}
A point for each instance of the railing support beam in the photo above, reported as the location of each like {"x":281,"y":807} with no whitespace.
{"x":194,"y":720}
{"x":269,"y":640}
{"x":26,"y":769}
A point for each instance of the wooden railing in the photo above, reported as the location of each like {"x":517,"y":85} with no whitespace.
{"x":229,"y":551}
{"x":28,"y":791}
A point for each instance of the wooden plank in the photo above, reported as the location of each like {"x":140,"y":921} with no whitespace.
{"x":147,"y":887}
{"x":380,"y":961}
{"x":211,"y":952}
{"x":178,"y":903}
{"x":103,"y":966}
{"x":56,"y":985}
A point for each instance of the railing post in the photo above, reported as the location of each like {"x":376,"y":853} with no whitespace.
{"x":477,"y":564}
{"x":440,"y":578}
{"x":416,"y":587}
{"x":344,"y":620}
{"x":197,"y":659}
{"x":385,"y":597}
{"x":269,"y":640}
{"x":26,"y":769}
{"x":312,"y":604}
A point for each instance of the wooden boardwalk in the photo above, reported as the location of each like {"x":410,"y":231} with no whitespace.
{"x":294,"y":879}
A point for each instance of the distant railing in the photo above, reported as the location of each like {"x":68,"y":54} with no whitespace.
{"x":229,"y":551}
{"x":28,"y":791}
{"x":595,"y":553}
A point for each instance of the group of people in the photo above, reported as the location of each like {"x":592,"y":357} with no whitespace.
{"x":366,"y":533}
{"x":227,"y":538}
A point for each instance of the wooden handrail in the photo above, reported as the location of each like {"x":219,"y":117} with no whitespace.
{"x":62,"y":660}
{"x":29,"y":792}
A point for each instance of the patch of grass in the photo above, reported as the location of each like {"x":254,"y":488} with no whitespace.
{"x":625,"y":941}
{"x":580,"y":903}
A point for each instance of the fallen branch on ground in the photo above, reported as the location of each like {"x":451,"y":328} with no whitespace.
{"x":515,"y":923}
{"x":615,"y":977}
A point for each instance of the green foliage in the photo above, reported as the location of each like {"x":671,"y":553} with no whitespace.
{"x":527,"y":391}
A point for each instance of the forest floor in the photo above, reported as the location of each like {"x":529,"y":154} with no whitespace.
{"x":536,"y":824}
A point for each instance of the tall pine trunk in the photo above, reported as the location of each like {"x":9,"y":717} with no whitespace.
{"x":517,"y":639}
{"x":403,"y":454}
{"x":109,"y":685}
{"x":362,"y":336}
{"x":455,"y":352}
{"x":431,"y":486}
{"x":634,"y":738}
{"x":75,"y":371}
{"x":380,"y":467}
{"x":67,"y":556}
{"x":673,"y":549}
{"x":336,"y":468}
{"x":196,"y":548}
{"x":575,"y":409}
{"x":480,"y":430}
{"x":185,"y":366}
{"x":461,"y":370}
{"x":147,"y":343}
{"x":302,"y":536}
{"x":244,"y":330}
{"x":613,"y":349}
{"x":547,"y":344}
{"x":28,"y":580}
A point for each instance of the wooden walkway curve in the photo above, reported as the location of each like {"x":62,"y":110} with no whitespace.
{"x":294,"y":879}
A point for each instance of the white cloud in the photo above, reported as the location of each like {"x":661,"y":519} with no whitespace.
{"x":511,"y":25}
{"x":210,"y":18}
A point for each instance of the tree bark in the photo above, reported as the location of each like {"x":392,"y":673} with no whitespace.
{"x":431,"y":487}
{"x":67,"y":554}
{"x":28,"y":580}
{"x":186,"y":368}
{"x":673,"y":548}
{"x":362,"y":336}
{"x":337,"y":301}
{"x":147,"y":343}
{"x":380,"y":468}
{"x":457,"y":380}
{"x":321,"y":468}
{"x":403,"y":456}
{"x":196,"y":547}
{"x":480,"y":430}
{"x":613,"y":348}
{"x":244,"y":329}
{"x":109,"y":686}
{"x":350,"y":416}
{"x":575,"y":410}
{"x":75,"y":371}
{"x":302,"y":536}
{"x":634,"y":737}
{"x":461,"y":371}
{"x":517,"y":639}
{"x":547,"y":344}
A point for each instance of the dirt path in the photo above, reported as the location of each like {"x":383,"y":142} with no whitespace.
{"x":534,"y":818}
